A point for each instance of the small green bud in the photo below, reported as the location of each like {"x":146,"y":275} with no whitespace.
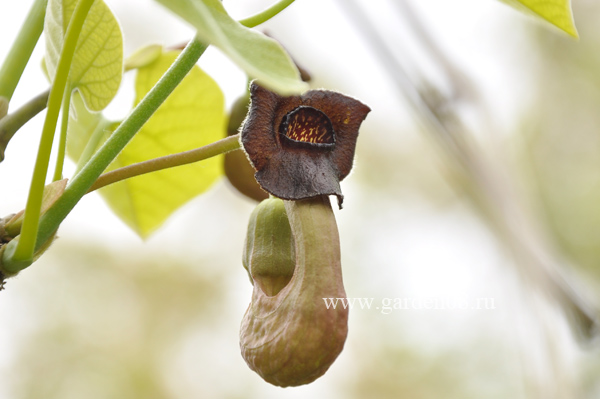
{"x":52,"y":193}
{"x":10,"y":228}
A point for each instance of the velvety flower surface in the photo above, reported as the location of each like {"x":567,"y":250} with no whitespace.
{"x":302,"y":146}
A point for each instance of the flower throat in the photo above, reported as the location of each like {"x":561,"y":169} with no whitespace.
{"x":307,"y":125}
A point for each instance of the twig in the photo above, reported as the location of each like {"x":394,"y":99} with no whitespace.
{"x":169,"y":161}
{"x":11,"y":123}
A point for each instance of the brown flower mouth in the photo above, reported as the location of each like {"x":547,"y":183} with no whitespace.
{"x":307,"y":127}
{"x":301,"y":146}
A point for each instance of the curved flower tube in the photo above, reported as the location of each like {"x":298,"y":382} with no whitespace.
{"x":289,"y":336}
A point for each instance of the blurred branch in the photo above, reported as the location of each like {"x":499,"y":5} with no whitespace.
{"x":462,"y":87}
{"x":402,"y":81}
{"x":492,"y":192}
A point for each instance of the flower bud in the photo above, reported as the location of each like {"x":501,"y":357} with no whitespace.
{"x":238,"y":169}
{"x":10,"y":230}
{"x":288,"y":336}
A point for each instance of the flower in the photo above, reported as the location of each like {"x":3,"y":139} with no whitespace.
{"x":302,"y":146}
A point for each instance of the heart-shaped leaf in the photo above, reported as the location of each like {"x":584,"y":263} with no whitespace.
{"x":192,"y":116}
{"x":97,"y":66}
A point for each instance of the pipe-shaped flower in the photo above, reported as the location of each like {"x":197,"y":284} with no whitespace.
{"x":302,"y":146}
{"x":289,"y":336}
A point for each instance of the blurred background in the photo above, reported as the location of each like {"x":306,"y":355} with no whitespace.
{"x":476,"y":176}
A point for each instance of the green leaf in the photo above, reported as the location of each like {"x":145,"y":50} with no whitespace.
{"x":193,"y":116}
{"x":557,"y":12}
{"x":97,"y":66}
{"x":143,"y":56}
{"x":260,"y":56}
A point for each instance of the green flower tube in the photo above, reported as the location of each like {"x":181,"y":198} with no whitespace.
{"x":288,"y":335}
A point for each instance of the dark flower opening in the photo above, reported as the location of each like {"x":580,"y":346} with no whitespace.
{"x":302,"y":146}
{"x":307,"y":127}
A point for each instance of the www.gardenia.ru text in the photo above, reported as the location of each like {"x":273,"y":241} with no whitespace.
{"x":388,"y":305}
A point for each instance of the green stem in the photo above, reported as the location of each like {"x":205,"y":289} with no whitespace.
{"x":21,"y":50}
{"x":82,"y":181}
{"x":11,"y":123}
{"x":266,"y":15}
{"x":23,"y":254}
{"x":92,"y":145}
{"x":183,"y":158}
{"x":62,"y":141}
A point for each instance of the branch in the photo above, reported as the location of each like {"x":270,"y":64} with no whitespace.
{"x":25,"y":249}
{"x":222,"y":146}
{"x":11,"y":123}
{"x":87,"y":176}
{"x":21,"y":50}
{"x":82,"y":181}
